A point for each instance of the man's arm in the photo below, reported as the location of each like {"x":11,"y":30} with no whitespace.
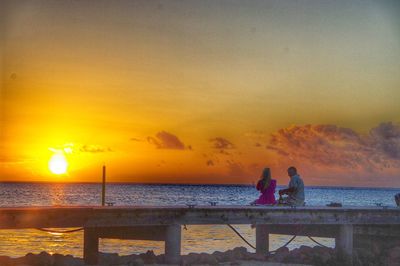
{"x":287,"y":191}
{"x":293,"y":184}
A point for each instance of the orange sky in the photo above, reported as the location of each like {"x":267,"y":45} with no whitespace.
{"x":201,"y":91}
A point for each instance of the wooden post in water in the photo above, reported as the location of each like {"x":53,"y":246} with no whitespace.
{"x":103,"y":191}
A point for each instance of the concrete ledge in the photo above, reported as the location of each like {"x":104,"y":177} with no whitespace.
{"x":18,"y":218}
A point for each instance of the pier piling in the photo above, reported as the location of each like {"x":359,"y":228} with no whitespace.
{"x":90,"y":246}
{"x":344,"y":242}
{"x":173,"y":244}
{"x":262,"y":239}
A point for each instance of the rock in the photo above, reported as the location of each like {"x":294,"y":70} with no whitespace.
{"x":282,"y":250}
{"x":280,"y":254}
{"x":205,"y":258}
{"x":5,"y":260}
{"x":325,"y":256}
{"x":45,"y":259}
{"x":255,"y":256}
{"x":319,"y":259}
{"x":128,"y":259}
{"x":68,"y":260}
{"x":108,"y":258}
{"x":319,"y":249}
{"x":18,"y":261}
{"x":305,"y":249}
{"x":229,"y":255}
{"x":343,"y":259}
{"x":149,"y":257}
{"x":29,"y":259}
{"x":298,"y":255}
{"x":186,"y":260}
{"x":58,"y":260}
{"x":295,"y":252}
{"x":202,"y":258}
{"x":137,"y":262}
{"x":71,"y":261}
{"x":240,"y":251}
{"x":42,"y":259}
{"x":393,"y":256}
{"x":289,"y":259}
{"x":160,"y":258}
{"x":218,"y":255}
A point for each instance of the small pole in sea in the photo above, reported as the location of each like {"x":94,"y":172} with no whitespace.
{"x":103,"y":192}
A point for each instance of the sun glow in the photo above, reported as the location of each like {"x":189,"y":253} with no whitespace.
{"x":58,"y":164}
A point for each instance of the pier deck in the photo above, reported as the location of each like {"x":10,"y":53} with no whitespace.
{"x":164,"y":223}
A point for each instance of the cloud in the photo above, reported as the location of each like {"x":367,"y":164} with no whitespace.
{"x":136,"y":139}
{"x":386,"y":139}
{"x":210,"y":163}
{"x":256,"y":134}
{"x":224,"y":152}
{"x":94,"y":149}
{"x":11,"y":160}
{"x":221,"y":144}
{"x":165,"y":140}
{"x":74,"y":148}
{"x":333,"y":146}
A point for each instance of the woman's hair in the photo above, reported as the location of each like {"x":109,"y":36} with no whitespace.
{"x":266,"y":176}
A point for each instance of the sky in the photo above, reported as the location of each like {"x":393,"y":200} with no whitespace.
{"x":201,"y":91}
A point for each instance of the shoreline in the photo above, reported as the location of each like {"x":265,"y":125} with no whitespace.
{"x":304,"y":255}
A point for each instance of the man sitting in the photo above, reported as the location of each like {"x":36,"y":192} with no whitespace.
{"x":295,"y":191}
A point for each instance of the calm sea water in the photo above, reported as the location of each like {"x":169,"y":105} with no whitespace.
{"x":195,"y":239}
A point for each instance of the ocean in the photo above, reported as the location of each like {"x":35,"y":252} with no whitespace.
{"x":201,"y":238}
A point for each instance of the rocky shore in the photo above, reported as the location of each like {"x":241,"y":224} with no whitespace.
{"x":239,"y":256}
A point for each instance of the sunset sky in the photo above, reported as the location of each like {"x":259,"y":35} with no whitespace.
{"x":201,"y":91}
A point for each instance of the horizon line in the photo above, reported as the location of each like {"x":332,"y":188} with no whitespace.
{"x":179,"y":184}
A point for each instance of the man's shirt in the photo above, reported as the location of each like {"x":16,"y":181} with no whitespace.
{"x":298,"y":195}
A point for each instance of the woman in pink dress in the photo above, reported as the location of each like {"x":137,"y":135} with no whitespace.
{"x":266,"y":185}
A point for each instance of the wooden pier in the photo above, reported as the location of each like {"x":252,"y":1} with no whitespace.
{"x":345,"y":224}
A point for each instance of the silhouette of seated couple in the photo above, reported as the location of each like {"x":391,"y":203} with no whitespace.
{"x":293,"y":195}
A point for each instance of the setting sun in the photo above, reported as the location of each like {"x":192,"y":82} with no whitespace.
{"x":58,"y":164}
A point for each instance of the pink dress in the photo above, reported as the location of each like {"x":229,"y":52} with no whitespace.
{"x":267,"y":195}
